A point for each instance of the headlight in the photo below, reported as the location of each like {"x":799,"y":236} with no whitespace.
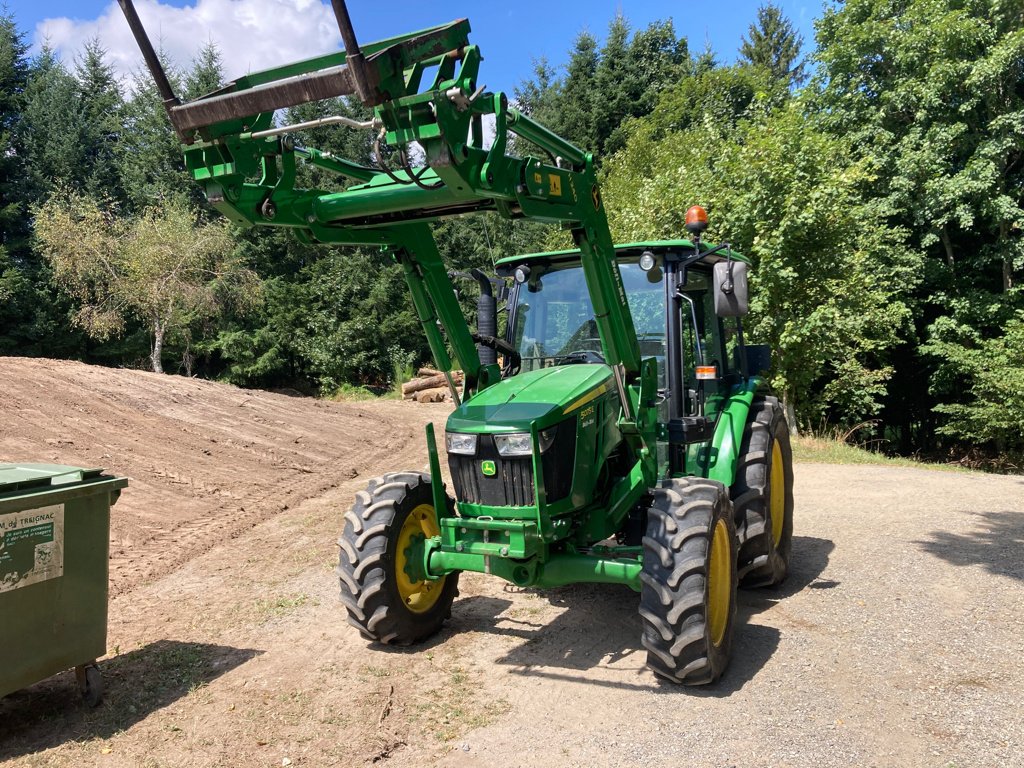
{"x":515,"y":444}
{"x":458,"y":442}
{"x":519,"y":444}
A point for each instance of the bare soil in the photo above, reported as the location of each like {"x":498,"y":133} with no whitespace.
{"x":896,"y":641}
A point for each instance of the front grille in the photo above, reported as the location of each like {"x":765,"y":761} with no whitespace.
{"x":512,"y":483}
{"x":510,"y":486}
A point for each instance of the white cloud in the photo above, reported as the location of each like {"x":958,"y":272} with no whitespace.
{"x":251,"y":35}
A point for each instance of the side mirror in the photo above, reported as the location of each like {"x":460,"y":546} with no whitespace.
{"x":731,"y":289}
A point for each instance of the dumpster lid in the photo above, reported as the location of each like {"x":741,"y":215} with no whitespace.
{"x":16,"y":477}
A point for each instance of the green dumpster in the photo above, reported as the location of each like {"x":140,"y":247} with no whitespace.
{"x":54,"y":545}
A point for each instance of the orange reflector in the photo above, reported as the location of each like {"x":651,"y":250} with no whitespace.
{"x":706,"y":372}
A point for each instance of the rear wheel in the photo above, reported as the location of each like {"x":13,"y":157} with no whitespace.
{"x":380,"y":569}
{"x":688,"y":582}
{"x":763,"y":496}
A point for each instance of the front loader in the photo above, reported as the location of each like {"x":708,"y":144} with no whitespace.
{"x":592,"y":452}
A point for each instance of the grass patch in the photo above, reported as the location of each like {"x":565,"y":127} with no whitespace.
{"x":826,"y":450}
{"x":350,"y":393}
{"x":275,"y":608}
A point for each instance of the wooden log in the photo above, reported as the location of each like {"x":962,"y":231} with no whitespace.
{"x":431,"y":395}
{"x":430,"y":382}
{"x":429,"y":372}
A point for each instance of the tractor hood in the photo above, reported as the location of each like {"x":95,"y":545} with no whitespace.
{"x":544,"y":396}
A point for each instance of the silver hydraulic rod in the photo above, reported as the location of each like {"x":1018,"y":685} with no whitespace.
{"x":332,"y":120}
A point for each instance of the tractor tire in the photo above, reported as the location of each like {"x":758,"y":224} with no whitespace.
{"x":762,"y":496}
{"x":688,"y":582}
{"x":382,"y":600}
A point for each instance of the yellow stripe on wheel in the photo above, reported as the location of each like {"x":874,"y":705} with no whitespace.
{"x":719,"y":583}
{"x":777,"y":493}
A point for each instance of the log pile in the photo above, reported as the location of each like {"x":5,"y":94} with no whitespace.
{"x":430,"y":386}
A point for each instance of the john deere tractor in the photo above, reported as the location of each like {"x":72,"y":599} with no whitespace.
{"x":617,"y":432}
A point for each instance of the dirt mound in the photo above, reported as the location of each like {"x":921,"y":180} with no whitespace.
{"x":206,"y":460}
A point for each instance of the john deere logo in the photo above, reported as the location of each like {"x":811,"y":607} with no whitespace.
{"x":488,"y":468}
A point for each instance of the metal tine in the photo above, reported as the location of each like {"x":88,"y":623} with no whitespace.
{"x":163,"y":85}
{"x":354,"y":55}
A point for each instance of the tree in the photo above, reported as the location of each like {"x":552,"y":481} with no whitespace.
{"x":829,"y":274}
{"x":989,"y":376}
{"x":929,"y":92}
{"x":576,"y":117}
{"x":99,"y":103}
{"x":603,"y":88}
{"x":52,"y":126}
{"x":774,"y":45}
{"x":148,"y":154}
{"x":23,"y":305}
{"x":206,"y":74}
{"x":631,"y":75}
{"x":160,"y":267}
{"x":13,"y":78}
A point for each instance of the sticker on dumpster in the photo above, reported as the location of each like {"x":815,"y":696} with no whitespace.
{"x":31,"y":546}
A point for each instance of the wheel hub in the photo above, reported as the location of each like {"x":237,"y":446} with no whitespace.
{"x":417,"y":591}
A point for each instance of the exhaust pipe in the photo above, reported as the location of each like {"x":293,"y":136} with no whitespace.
{"x":486,"y":316}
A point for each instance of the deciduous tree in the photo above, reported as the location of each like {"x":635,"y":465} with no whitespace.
{"x":160,"y":267}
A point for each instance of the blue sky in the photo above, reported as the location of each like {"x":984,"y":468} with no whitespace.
{"x":255,"y":34}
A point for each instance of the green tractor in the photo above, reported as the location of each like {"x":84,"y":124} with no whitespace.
{"x":551,"y":487}
{"x":625,"y":437}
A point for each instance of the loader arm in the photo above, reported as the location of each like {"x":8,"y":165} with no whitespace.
{"x":246,"y":166}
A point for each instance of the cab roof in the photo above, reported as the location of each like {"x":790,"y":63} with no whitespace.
{"x":623,"y":251}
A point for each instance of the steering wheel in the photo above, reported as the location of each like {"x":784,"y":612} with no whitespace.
{"x":587,"y":356}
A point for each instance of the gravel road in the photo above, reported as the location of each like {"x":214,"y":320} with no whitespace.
{"x":896,"y":642}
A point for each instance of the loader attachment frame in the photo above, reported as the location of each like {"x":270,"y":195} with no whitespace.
{"x":246,"y":166}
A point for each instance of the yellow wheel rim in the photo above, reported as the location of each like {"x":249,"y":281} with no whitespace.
{"x":777,"y":493}
{"x":719,"y":583}
{"x":418,"y":596}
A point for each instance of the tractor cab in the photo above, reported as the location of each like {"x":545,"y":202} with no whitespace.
{"x":696,"y":342}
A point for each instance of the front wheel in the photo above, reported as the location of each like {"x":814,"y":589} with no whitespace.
{"x":688,"y":582}
{"x":386,"y":594}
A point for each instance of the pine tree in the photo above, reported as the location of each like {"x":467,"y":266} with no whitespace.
{"x":774,"y":45}
{"x":100,"y":104}
{"x":576,"y":118}
{"x":13,"y":78}
{"x":52,"y":126}
{"x":148,"y":155}
{"x":207,"y":73}
{"x":29,"y":316}
{"x":611,"y":82}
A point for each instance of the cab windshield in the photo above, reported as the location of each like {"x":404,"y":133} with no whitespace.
{"x":554,"y":318}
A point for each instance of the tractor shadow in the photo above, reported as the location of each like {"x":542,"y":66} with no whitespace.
{"x":136,"y":684}
{"x":997,"y":544}
{"x":599,"y":629}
